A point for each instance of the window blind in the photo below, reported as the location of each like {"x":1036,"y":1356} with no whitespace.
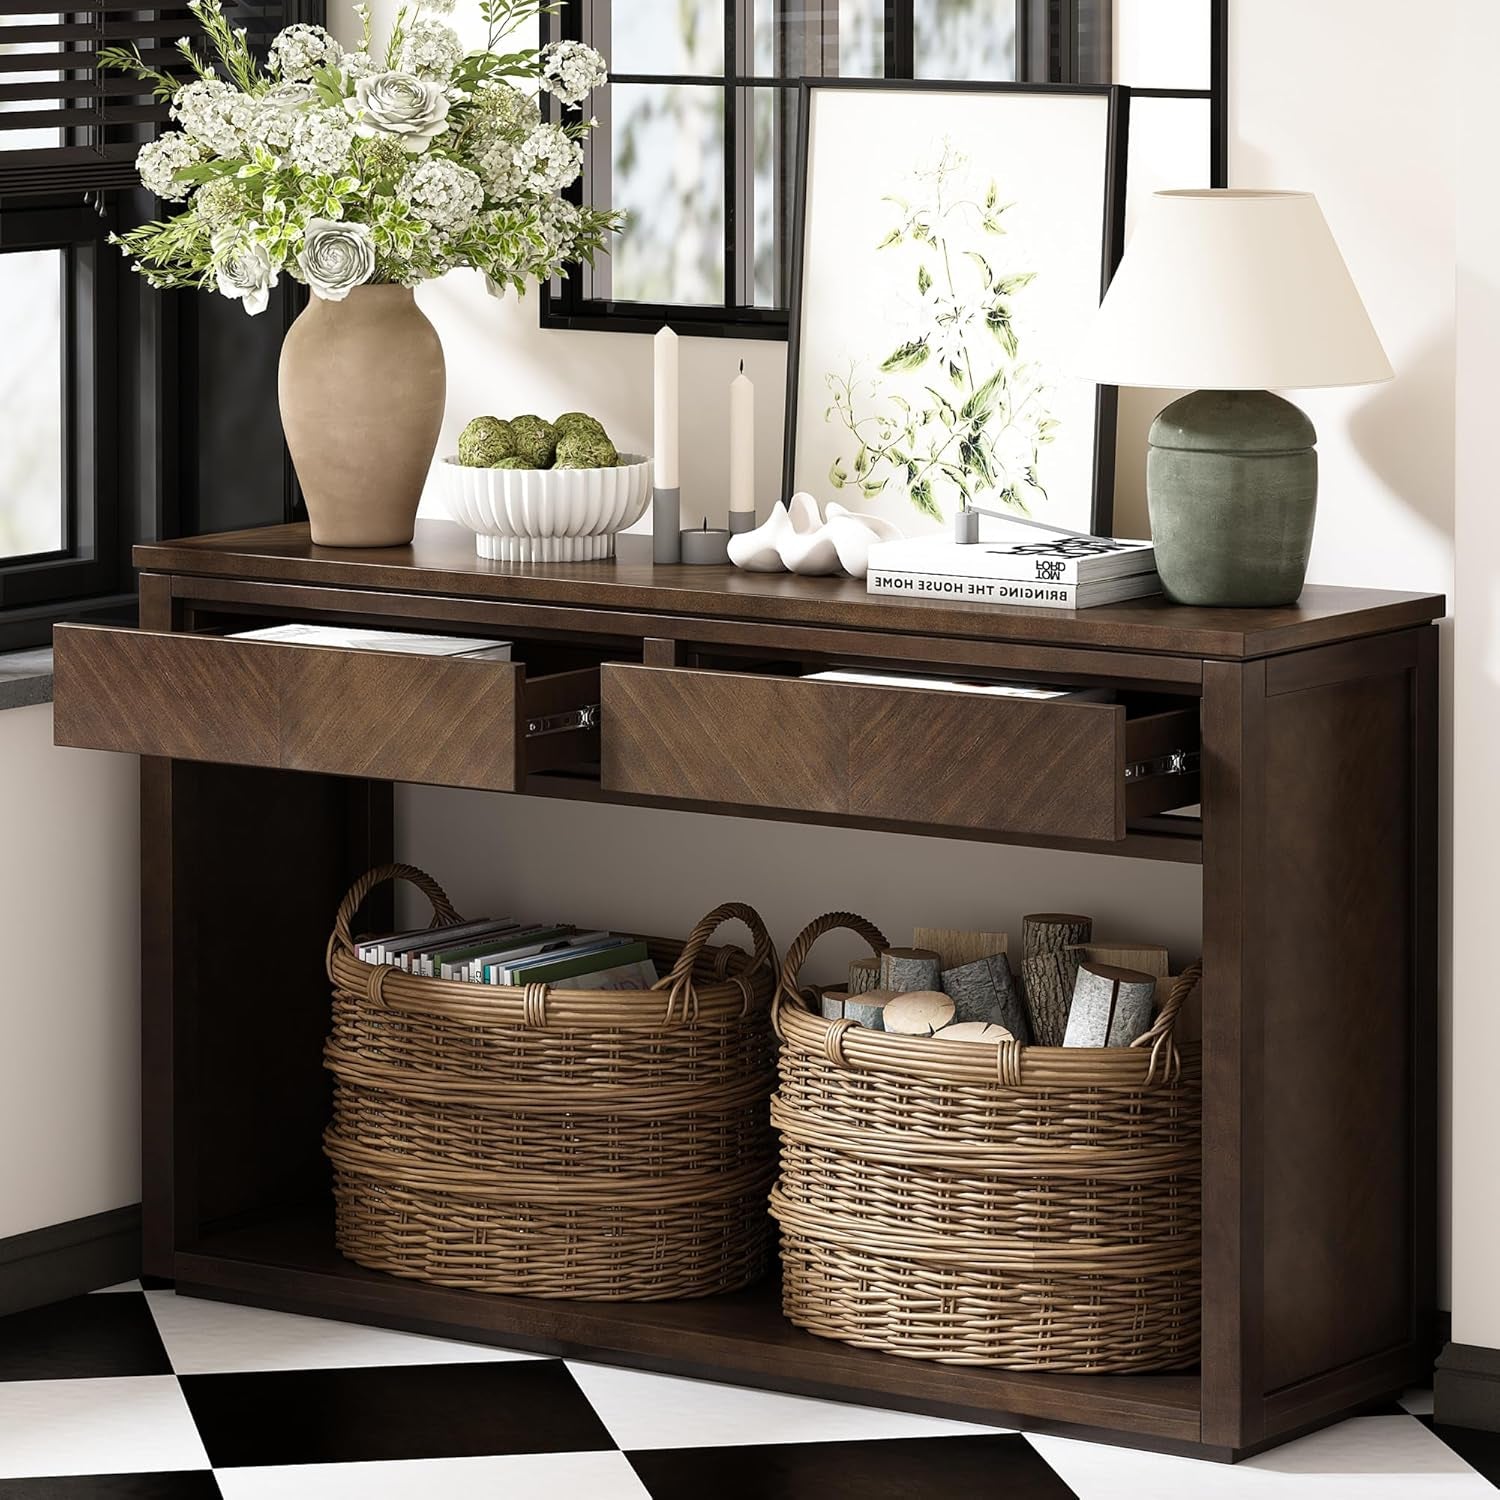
{"x":65,"y":126}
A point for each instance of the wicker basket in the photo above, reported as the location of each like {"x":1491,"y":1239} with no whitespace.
{"x":1035,"y":1208}
{"x":605,"y":1145}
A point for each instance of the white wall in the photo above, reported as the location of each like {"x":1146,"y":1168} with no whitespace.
{"x":1476,"y":709}
{"x":69,"y":984}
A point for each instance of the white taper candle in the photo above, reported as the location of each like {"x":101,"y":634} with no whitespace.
{"x":742,"y":444}
{"x":666,"y":397}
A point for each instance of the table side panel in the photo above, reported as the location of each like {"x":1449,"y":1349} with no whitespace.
{"x":1337,"y":1005}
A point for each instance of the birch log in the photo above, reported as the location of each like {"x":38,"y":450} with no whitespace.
{"x":907,"y":969}
{"x":1111,"y":1006}
{"x":974,"y":1031}
{"x":918,"y":1013}
{"x":985,"y":990}
{"x":865,"y":1009}
{"x":868,"y":1009}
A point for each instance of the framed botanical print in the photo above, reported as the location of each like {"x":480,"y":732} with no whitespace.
{"x":952,"y":243}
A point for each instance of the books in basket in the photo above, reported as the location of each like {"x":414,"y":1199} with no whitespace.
{"x":505,"y":952}
{"x":1049,"y":572}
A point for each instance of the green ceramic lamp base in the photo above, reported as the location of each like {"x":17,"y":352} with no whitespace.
{"x":1232,"y":486}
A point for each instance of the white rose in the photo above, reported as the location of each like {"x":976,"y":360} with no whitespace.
{"x":401,"y":106}
{"x":245,"y":272}
{"x":336,"y":257}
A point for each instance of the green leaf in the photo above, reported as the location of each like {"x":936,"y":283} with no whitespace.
{"x":956,"y":373}
{"x":924,"y":280}
{"x":893,"y":238}
{"x":1008,"y":284}
{"x":986,"y":398}
{"x":991,"y":225}
{"x":912,"y":355}
{"x":997,"y":320}
{"x":985,"y":269}
{"x":992,"y":197}
{"x":871,"y":487}
{"x":862,"y":462}
{"x":838,"y":475}
{"x":920,"y":496}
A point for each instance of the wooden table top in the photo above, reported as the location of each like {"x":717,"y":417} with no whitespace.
{"x":441,"y":560}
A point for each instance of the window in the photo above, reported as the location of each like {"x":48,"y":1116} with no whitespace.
{"x":117,"y":403}
{"x":697,"y":138}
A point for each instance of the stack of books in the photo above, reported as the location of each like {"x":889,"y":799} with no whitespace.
{"x":1066,"y":572}
{"x":499,"y":950}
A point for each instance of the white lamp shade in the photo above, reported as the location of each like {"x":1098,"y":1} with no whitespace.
{"x":1232,"y":290}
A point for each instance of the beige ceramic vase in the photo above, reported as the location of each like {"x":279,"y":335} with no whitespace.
{"x":362,"y":386}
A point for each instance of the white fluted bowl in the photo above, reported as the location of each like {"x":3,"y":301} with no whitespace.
{"x":546,"y":515}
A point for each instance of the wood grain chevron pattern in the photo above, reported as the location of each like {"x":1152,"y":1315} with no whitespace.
{"x":863,"y":751}
{"x":723,"y":737}
{"x":301,"y":708}
{"x":401,"y":718}
{"x":972,"y":762}
{"x":189,"y":697}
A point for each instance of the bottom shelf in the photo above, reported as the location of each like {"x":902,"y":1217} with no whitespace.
{"x":290,"y":1263}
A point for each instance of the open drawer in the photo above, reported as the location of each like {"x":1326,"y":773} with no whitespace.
{"x":1064,"y":769}
{"x":450,"y":721}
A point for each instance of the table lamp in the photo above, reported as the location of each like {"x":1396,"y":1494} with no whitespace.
{"x":1232,"y":291}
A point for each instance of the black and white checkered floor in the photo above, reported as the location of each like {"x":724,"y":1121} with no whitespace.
{"x":132,"y":1393}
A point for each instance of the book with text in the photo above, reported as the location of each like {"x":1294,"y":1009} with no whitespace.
{"x":1051,"y":560}
{"x":1001,"y":591}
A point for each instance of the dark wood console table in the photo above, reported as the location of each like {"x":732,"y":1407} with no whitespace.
{"x":1308,"y":737}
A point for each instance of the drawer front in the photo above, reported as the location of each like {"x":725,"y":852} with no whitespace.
{"x":187,"y":696}
{"x":907,"y":755}
{"x":393,"y":717}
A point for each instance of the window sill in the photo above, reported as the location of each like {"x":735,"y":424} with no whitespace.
{"x":25,"y":677}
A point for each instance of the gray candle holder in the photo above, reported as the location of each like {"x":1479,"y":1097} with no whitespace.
{"x":666,"y":526}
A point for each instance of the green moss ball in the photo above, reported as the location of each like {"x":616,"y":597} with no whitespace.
{"x":586,"y":450}
{"x":535,"y":441}
{"x":572,"y":422}
{"x":485,"y":442}
{"x":513,"y":463}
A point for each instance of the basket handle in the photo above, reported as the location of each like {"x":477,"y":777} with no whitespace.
{"x":444,"y":913}
{"x":787,"y":992}
{"x":679,"y":982}
{"x":1161,"y":1038}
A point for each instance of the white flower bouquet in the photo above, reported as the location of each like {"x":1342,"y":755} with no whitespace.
{"x":343,"y":168}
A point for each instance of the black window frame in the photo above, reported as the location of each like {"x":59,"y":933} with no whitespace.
{"x":1047,"y":50}
{"x":169,"y":408}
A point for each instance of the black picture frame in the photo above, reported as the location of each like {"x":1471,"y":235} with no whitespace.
{"x":1111,"y":249}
